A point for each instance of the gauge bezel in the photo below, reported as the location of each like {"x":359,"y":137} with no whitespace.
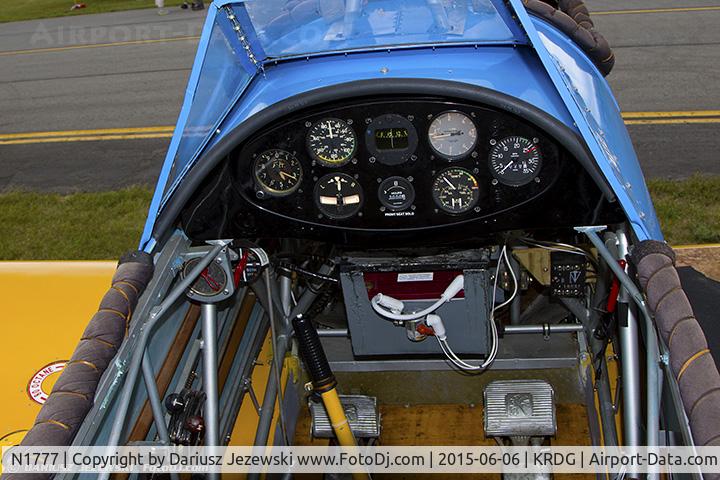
{"x":527,"y":178}
{"x":188,"y":266}
{"x":332,"y":215}
{"x":452,"y":158}
{"x":268,"y":190}
{"x":391,"y":157}
{"x":437,"y":201}
{"x":411,"y":194}
{"x":326,"y":163}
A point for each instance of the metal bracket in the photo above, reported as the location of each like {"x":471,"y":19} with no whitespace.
{"x":247,"y":387}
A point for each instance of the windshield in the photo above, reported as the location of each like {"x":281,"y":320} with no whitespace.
{"x":300,"y":27}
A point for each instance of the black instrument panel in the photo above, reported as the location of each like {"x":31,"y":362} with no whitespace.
{"x":379,"y":165}
{"x":382,"y":172}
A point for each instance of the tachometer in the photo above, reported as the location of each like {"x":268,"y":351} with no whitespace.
{"x":515,"y":161}
{"x":277,"y":172}
{"x":455,"y":190}
{"x":332,"y":142}
{"x":452,"y":135}
{"x":338,"y":195}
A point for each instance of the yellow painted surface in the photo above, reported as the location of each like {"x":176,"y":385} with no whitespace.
{"x":243,"y":433}
{"x":46,"y":306}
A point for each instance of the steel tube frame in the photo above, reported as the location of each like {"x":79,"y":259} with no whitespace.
{"x":630,"y":365}
{"x":590,"y":319}
{"x":156,"y":404}
{"x":652,"y":358}
{"x":268,"y":406}
{"x":508,"y":330}
{"x":210,"y":376}
{"x":137,"y":355}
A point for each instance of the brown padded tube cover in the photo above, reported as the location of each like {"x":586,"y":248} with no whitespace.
{"x":690,"y":358}
{"x":573,"y":19}
{"x":72,"y":395}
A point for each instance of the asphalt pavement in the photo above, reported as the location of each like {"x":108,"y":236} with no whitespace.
{"x":113,"y":85}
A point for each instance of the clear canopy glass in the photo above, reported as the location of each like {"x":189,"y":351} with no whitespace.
{"x":303,"y":27}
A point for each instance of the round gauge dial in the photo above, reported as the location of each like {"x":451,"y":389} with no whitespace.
{"x":396,"y":193}
{"x":338,"y":195}
{"x":211,"y":281}
{"x":452,"y":135}
{"x":455,"y":190}
{"x":332,"y":142}
{"x":278,"y":172}
{"x":515,"y":161}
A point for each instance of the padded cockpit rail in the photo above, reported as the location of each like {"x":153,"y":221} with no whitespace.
{"x":73,"y":393}
{"x":573,"y":18}
{"x":690,"y":357}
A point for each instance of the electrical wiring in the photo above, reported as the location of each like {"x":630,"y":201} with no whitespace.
{"x":461,"y":364}
{"x":380,"y":303}
{"x":383,"y":304}
{"x":375,"y":302}
{"x":561,"y":247}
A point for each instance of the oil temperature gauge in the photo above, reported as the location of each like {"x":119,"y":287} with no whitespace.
{"x":455,"y":190}
{"x":338,"y":195}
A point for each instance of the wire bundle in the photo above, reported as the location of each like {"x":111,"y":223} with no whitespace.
{"x":495,"y":338}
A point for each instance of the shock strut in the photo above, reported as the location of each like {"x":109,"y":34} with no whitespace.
{"x":324,"y":383}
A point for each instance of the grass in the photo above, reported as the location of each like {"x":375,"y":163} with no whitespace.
{"x":13,"y":11}
{"x":689,"y":210}
{"x":85,"y":226}
{"x":41,"y":226}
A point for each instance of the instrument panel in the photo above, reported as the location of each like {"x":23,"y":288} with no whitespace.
{"x":384,"y":172}
{"x":395,"y":164}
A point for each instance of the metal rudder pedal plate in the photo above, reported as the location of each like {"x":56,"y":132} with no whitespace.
{"x":520,"y":408}
{"x":361,"y":411}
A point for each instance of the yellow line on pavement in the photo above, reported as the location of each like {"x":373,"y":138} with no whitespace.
{"x":655,"y":10}
{"x":671,"y":121}
{"x":688,"y":113}
{"x":97,"y":45}
{"x":164,"y":131}
{"x":95,"y":138}
{"x":100,"y":131}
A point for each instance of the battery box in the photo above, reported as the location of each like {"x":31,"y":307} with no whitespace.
{"x":418,"y":282}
